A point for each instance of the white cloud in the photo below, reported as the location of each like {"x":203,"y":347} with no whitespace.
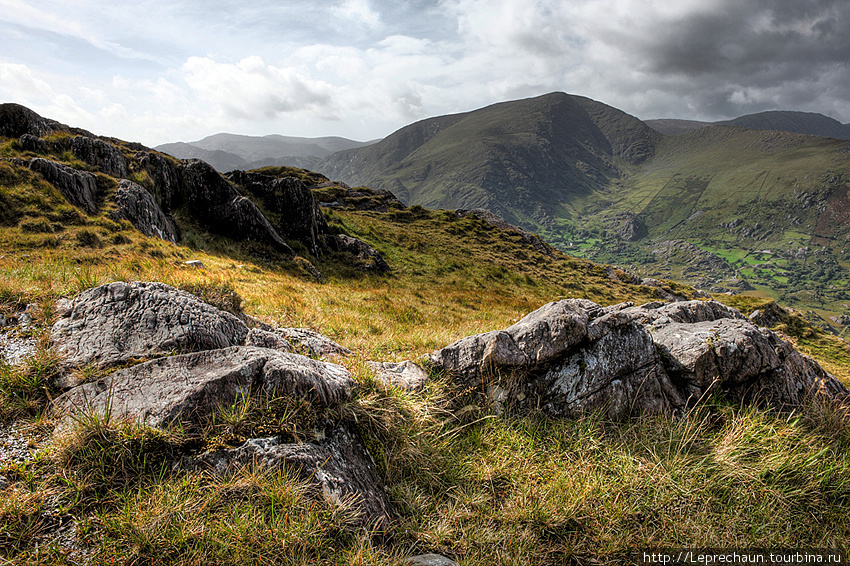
{"x":358,"y":12}
{"x":252,"y":89}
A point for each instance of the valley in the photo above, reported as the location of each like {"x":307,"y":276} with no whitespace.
{"x":721,"y":207}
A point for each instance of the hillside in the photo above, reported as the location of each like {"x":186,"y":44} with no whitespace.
{"x":525,"y":161}
{"x":720,"y":207}
{"x":809,"y":123}
{"x":480,"y":472}
{"x":226,"y":152}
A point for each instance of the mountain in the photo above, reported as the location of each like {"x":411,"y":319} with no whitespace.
{"x":525,"y":160}
{"x":721,"y":207}
{"x":227,"y":152}
{"x":809,"y":123}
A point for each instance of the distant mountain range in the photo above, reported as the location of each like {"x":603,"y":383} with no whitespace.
{"x":226,"y":152}
{"x":797,"y":122}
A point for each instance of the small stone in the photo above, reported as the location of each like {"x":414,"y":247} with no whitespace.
{"x":405,"y":375}
{"x":429,"y":560}
{"x":196,"y":263}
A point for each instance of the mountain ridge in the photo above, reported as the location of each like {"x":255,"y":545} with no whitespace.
{"x":810,"y":123}
{"x":226,"y":152}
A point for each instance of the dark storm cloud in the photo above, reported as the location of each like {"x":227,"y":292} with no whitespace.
{"x":754,"y":55}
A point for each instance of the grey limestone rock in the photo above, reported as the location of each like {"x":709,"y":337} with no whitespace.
{"x":78,"y":187}
{"x":266,"y":338}
{"x":117,"y":322}
{"x":340,"y":468}
{"x":539,"y":337}
{"x":166,"y":179}
{"x":311,"y":343}
{"x":405,"y":375}
{"x":429,"y":560}
{"x":138,"y":206}
{"x":189,"y":387}
{"x":572,"y":357}
{"x":32,"y":143}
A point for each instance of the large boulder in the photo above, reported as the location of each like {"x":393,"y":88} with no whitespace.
{"x":340,"y":468}
{"x":298,"y":213}
{"x":187,"y":388}
{"x":219,"y":207}
{"x":539,"y":337}
{"x":307,"y":342}
{"x":78,"y":187}
{"x":573,"y":357}
{"x":117,"y":322}
{"x":139,"y":207}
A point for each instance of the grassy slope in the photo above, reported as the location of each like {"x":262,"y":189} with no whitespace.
{"x":480,"y":488}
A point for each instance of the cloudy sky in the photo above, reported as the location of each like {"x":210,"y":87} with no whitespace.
{"x":157,"y":71}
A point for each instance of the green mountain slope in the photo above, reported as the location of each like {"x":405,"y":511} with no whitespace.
{"x":724,"y":208}
{"x":764,"y":210}
{"x":527,"y":161}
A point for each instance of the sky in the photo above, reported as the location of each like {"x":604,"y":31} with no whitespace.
{"x":157,"y":71}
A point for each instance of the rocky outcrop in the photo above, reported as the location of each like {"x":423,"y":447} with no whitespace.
{"x":769,"y":316}
{"x":32,"y":143}
{"x":98,"y":153}
{"x":139,"y":207}
{"x":627,"y":226}
{"x":219,"y":207}
{"x":340,"y":468}
{"x":573,"y":357}
{"x":366,"y":258}
{"x":429,"y":560}
{"x":188,"y":388}
{"x":118,"y":322}
{"x":405,"y":375}
{"x":165,"y":177}
{"x":298,"y":213}
{"x":78,"y":187}
{"x":17,"y":120}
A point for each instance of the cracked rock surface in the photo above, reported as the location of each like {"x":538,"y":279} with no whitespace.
{"x":572,"y":357}
{"x":188,"y":387}
{"x":340,"y":468}
{"x":117,"y":322}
